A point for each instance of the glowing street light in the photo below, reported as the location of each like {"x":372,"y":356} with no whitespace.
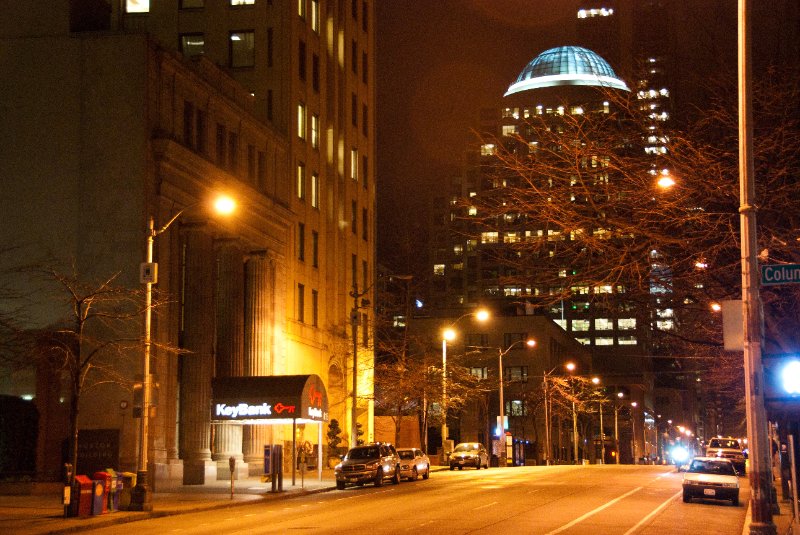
{"x":141,"y":497}
{"x":501,"y":431}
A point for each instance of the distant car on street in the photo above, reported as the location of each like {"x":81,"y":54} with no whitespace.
{"x":414,"y":463}
{"x":711,"y":478}
{"x":727,"y":448}
{"x":469,"y":454}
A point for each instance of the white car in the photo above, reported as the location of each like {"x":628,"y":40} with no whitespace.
{"x":414,"y":463}
{"x":711,"y":478}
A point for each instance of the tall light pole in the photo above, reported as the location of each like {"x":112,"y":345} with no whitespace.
{"x":141,"y":497}
{"x":449,"y":334}
{"x":633,"y":434}
{"x":620,"y":395}
{"x":596,"y":381}
{"x":355,"y":321}
{"x":571,"y":368}
{"x":502,"y":430}
{"x":760,"y":476}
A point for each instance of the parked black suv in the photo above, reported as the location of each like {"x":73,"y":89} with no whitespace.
{"x":370,"y":463}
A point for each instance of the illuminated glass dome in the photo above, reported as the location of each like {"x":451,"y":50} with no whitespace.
{"x":566,"y":65}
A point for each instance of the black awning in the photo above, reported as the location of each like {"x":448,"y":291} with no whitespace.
{"x":270,"y":399}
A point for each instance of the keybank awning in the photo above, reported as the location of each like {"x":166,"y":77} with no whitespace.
{"x":269,"y":400}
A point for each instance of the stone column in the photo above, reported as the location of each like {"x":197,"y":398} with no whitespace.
{"x":258,"y":332}
{"x":229,"y":308}
{"x":197,"y":366}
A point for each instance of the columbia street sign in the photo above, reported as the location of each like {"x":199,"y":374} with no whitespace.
{"x":780,"y":274}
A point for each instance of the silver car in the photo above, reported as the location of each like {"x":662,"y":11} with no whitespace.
{"x":413,"y":463}
{"x":371,"y":463}
{"x":469,"y":454}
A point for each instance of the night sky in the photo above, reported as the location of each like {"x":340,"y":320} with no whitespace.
{"x":439,"y":62}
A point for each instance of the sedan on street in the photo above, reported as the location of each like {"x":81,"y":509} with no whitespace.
{"x":711,"y":478}
{"x":469,"y":454}
{"x":413,"y":463}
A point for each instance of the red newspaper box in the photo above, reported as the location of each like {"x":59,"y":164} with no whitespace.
{"x":82,"y":496}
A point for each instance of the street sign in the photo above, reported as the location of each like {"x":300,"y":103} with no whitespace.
{"x":780,"y":274}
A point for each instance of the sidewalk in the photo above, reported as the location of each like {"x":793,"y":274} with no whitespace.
{"x":43,"y":513}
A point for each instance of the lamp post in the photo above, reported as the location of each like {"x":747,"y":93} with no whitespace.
{"x":502,"y":430}
{"x":596,"y":381}
{"x":449,"y":334}
{"x":571,"y":368}
{"x":633,"y":434}
{"x":141,"y":498}
{"x":620,"y":395}
{"x":355,"y":320}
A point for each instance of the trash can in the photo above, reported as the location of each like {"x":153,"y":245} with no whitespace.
{"x":99,"y":496}
{"x":82,"y":496}
{"x":126,"y":482}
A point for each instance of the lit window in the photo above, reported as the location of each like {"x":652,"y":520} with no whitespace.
{"x":554,"y":235}
{"x":511,"y":237}
{"x":137,"y":6}
{"x":301,"y":120}
{"x":665,"y":313}
{"x":301,"y":8}
{"x":584,"y":341}
{"x":480,"y":373}
{"x":438,"y":269}
{"x":665,"y":325}
{"x":242,"y":49}
{"x":487,"y":149}
{"x":301,"y":181}
{"x":603,"y":324}
{"x":626,"y":324}
{"x":243,"y":2}
{"x":604,"y":289}
{"x":354,"y":164}
{"x":627,"y":340}
{"x":509,"y":129}
{"x":315,"y":15}
{"x":489,"y":237}
{"x":580,"y":290}
{"x":315,"y":190}
{"x":315,"y":131}
{"x":580,"y":325}
{"x":604,"y":341}
{"x":458,"y":249}
{"x":512,"y":291}
{"x":472,"y":210}
{"x":561,"y":323}
{"x":192,"y":44}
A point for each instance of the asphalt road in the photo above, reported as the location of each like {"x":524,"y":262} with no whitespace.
{"x":596,"y":500}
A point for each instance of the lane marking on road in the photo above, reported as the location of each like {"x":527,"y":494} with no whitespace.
{"x":653,"y":513}
{"x":593,"y":512}
{"x":532,"y":491}
{"x":484,"y":506}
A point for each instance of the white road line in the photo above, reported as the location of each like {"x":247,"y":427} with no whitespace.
{"x":593,"y":512}
{"x":653,"y":513}
{"x":484,"y":506}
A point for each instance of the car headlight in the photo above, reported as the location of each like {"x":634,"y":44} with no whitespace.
{"x":386,"y":467}
{"x":337,"y":468}
{"x":692,"y":482}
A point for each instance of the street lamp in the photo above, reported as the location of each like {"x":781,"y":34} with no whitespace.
{"x":141,"y":498}
{"x":502,"y":428}
{"x":633,"y":434}
{"x":448,"y":335}
{"x":617,"y":407}
{"x":571,"y":368}
{"x":596,"y":381}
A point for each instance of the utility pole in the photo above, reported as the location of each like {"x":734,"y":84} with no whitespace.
{"x":760,"y":475}
{"x":355,"y":320}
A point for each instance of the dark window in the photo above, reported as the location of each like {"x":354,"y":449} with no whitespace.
{"x":201,"y":145}
{"x":478,"y":340}
{"x":301,"y":303}
{"x":301,"y":60}
{"x":364,"y":71}
{"x":192,"y":4}
{"x":315,"y":248}
{"x":354,"y":217}
{"x":354,"y":57}
{"x":516,"y":373}
{"x":364,"y":221}
{"x":354,"y":9}
{"x":364,"y":120}
{"x":354,"y":109}
{"x":301,"y":242}
{"x":314,"y":308}
{"x":262,"y":170}
{"x":233,"y":152}
{"x":270,"y":47}
{"x":364,"y":16}
{"x":353,"y":269}
{"x":221,"y":139}
{"x":269,"y":104}
{"x":364,"y":170}
{"x":188,"y":124}
{"x":315,"y":72}
{"x":365,"y":329}
{"x":513,"y":338}
{"x":251,"y":164}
